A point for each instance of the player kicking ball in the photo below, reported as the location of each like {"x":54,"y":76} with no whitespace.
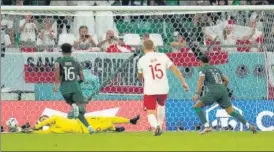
{"x":152,"y":68}
{"x":67,"y":71}
{"x":216,"y":84}
{"x":59,"y":124}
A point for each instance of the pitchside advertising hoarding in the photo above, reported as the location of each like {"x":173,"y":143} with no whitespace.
{"x":34,"y":71}
{"x":179,"y":113}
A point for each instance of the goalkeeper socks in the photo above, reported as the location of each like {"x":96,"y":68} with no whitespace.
{"x":201,"y":116}
{"x":161,"y":115}
{"x":239,"y":117}
{"x":152,"y":120}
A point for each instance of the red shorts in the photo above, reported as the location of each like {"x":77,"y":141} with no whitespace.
{"x":150,"y":101}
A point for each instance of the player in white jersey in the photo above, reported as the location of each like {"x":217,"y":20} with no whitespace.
{"x":152,"y":68}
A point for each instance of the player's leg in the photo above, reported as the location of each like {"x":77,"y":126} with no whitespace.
{"x":150,"y":107}
{"x":121,"y":120}
{"x":161,"y":99}
{"x":74,"y":108}
{"x":205,"y":100}
{"x":227,"y":105}
{"x":101,"y":124}
{"x":78,"y":99}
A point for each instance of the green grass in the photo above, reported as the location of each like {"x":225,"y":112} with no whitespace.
{"x":172,"y":141}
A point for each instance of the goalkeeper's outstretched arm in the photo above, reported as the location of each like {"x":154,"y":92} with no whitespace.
{"x":46,"y":122}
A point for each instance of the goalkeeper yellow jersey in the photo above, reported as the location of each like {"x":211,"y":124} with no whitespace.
{"x":58,"y":124}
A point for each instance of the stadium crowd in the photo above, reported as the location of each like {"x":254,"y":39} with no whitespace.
{"x":106,"y":31}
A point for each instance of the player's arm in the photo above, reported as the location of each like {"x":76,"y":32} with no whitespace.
{"x":176,"y":72}
{"x":140,"y":71}
{"x":225,"y":79}
{"x":57,"y":76}
{"x":200,"y":83}
{"x":46,"y":122}
{"x":81,"y":73}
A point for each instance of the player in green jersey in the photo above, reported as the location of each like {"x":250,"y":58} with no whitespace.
{"x":216,"y":83}
{"x":69,"y":75}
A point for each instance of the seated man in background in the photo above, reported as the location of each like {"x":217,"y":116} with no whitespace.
{"x":46,"y":37}
{"x":28,"y":29}
{"x":59,"y":124}
{"x":179,"y":42}
{"x":86,"y":41}
{"x":112,"y":43}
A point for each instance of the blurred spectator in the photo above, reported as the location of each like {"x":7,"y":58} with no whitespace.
{"x":28,"y":29}
{"x":218,"y":2}
{"x":8,"y":2}
{"x":224,"y":34}
{"x":5,"y":38}
{"x":47,"y":36}
{"x":256,"y":22}
{"x":82,"y":19}
{"x":155,"y":2}
{"x":7,"y":27}
{"x":62,"y":20}
{"x":188,"y":3}
{"x":61,"y":3}
{"x":145,"y":37}
{"x":127,"y":2}
{"x":110,"y":39}
{"x":227,"y":38}
{"x":36,"y":2}
{"x":104,"y":20}
{"x":179,"y":42}
{"x":66,"y":36}
{"x":86,"y":41}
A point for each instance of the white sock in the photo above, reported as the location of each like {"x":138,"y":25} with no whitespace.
{"x":206,"y":124}
{"x":152,"y":120}
{"x":247,"y":124}
{"x":161,"y":110}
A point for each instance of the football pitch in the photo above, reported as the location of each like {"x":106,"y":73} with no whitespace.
{"x":169,"y":141}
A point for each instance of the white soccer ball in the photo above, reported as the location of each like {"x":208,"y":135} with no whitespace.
{"x":12,"y":123}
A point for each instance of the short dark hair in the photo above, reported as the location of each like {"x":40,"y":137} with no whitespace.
{"x":82,"y":27}
{"x":66,"y":48}
{"x":204,"y":59}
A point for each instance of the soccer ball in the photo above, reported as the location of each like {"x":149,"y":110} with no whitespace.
{"x":12,"y":123}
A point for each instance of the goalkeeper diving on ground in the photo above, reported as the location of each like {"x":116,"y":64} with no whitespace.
{"x":59,"y":124}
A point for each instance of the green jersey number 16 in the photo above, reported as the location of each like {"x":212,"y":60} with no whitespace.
{"x":69,"y":73}
{"x":218,"y":78}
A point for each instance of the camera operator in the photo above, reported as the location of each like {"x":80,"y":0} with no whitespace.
{"x":85,"y":41}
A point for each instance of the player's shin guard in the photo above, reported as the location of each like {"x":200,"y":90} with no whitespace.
{"x":152,"y":120}
{"x":201,"y":116}
{"x":161,"y":115}
{"x":239,"y":117}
